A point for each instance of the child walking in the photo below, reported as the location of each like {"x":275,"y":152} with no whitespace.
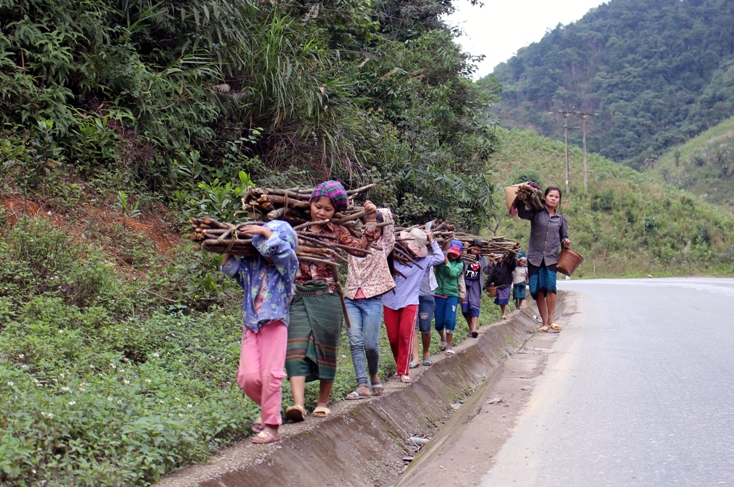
{"x":447,"y":295}
{"x":268,"y":284}
{"x":474,"y":274}
{"x":519,"y":281}
{"x":401,"y":303}
{"x":501,"y":276}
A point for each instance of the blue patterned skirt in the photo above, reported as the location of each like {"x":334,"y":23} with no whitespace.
{"x":542,"y":278}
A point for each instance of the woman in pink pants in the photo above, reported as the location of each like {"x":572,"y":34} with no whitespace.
{"x":268,"y":281}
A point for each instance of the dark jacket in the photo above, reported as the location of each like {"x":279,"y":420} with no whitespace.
{"x":501,"y":275}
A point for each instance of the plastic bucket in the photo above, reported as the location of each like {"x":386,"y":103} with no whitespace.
{"x":492,"y":290}
{"x":569,"y":261}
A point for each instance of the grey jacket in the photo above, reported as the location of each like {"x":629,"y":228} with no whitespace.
{"x":546,"y":234}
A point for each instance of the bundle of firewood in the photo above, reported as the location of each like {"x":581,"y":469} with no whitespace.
{"x":531,"y":196}
{"x":227,"y":238}
{"x":490,"y":245}
{"x":292,"y":205}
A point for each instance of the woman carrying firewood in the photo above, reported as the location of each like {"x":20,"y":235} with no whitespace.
{"x":401,"y":304}
{"x":548,"y":231}
{"x":268,"y":283}
{"x":368,"y":279}
{"x":316,"y":311}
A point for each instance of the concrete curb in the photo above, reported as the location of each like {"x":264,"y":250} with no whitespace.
{"x":365,"y":445}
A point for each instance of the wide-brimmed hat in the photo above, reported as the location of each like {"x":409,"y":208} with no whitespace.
{"x":417,"y":241}
{"x":456,"y":247}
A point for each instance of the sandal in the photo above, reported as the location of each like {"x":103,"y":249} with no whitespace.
{"x":427,"y":363}
{"x":555,"y":326}
{"x":356,"y":395}
{"x":474,"y":334}
{"x":413,"y":365}
{"x":442,"y":345}
{"x":543,"y":329}
{"x":264,"y":438}
{"x":405,"y":379}
{"x":295,"y":413}
{"x":257,"y":425}
{"x":377,"y":389}
{"x":450,"y":352}
{"x":321,"y":412}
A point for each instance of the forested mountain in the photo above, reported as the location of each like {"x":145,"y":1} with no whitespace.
{"x":656,"y":71}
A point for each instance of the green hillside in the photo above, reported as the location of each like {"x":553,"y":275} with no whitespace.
{"x":627,"y":224}
{"x":704,"y":165}
{"x":656,"y":72}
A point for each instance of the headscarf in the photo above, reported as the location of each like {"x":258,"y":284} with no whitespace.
{"x":334,"y":191}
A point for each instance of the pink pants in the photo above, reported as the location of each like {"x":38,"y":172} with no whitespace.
{"x":261,"y":374}
{"x":400,"y":325}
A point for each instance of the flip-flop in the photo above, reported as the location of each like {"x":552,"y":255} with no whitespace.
{"x":427,"y":363}
{"x":543,"y":329}
{"x":555,"y":326}
{"x":355,"y":395}
{"x":405,"y":379}
{"x":321,"y":412}
{"x":295,"y":413}
{"x":450,"y":352}
{"x":264,"y":438}
{"x":414,"y":365}
{"x":377,"y":389}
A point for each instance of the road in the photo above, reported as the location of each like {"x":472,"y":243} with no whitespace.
{"x":637,"y":390}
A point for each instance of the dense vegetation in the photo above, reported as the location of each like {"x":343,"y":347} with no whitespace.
{"x":656,"y":72}
{"x":627,"y":223}
{"x":704,"y":165}
{"x":176,"y":94}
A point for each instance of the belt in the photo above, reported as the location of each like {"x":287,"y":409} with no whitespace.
{"x":311,"y":293}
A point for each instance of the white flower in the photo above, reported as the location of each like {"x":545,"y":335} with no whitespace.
{"x":113,"y":366}
{"x":66,"y":389}
{"x":176,"y":399}
{"x":61,"y":331}
{"x":157,"y":355}
{"x":21,"y":355}
{"x":122,"y":370}
{"x":82,"y":389}
{"x":161,"y":401}
{"x":180,"y":415}
{"x":119,"y":401}
{"x":127,"y":382}
{"x":109,"y":398}
{"x":11,"y":383}
{"x":91,"y":366}
{"x":189,"y":406}
{"x":61,"y":375}
{"x":147,"y":380}
{"x":71,"y":403}
{"x":47,"y":415}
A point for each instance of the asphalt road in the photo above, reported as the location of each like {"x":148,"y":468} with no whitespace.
{"x":638,"y":390}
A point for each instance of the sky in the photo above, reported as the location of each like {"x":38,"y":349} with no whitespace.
{"x":501,"y":27}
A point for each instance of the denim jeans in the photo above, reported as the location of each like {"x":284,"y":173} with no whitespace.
{"x":365,"y":318}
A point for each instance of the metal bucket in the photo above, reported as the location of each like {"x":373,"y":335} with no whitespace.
{"x":569,"y":261}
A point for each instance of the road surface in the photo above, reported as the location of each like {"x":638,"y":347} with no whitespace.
{"x":637,"y":390}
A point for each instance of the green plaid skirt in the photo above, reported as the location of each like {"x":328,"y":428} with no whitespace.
{"x":313,"y":332}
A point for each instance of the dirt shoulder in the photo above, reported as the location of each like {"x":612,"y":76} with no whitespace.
{"x":464,"y":449}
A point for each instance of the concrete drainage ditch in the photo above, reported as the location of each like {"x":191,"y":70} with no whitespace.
{"x":369,"y":443}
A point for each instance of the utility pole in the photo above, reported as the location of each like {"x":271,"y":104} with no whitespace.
{"x":584,"y":116}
